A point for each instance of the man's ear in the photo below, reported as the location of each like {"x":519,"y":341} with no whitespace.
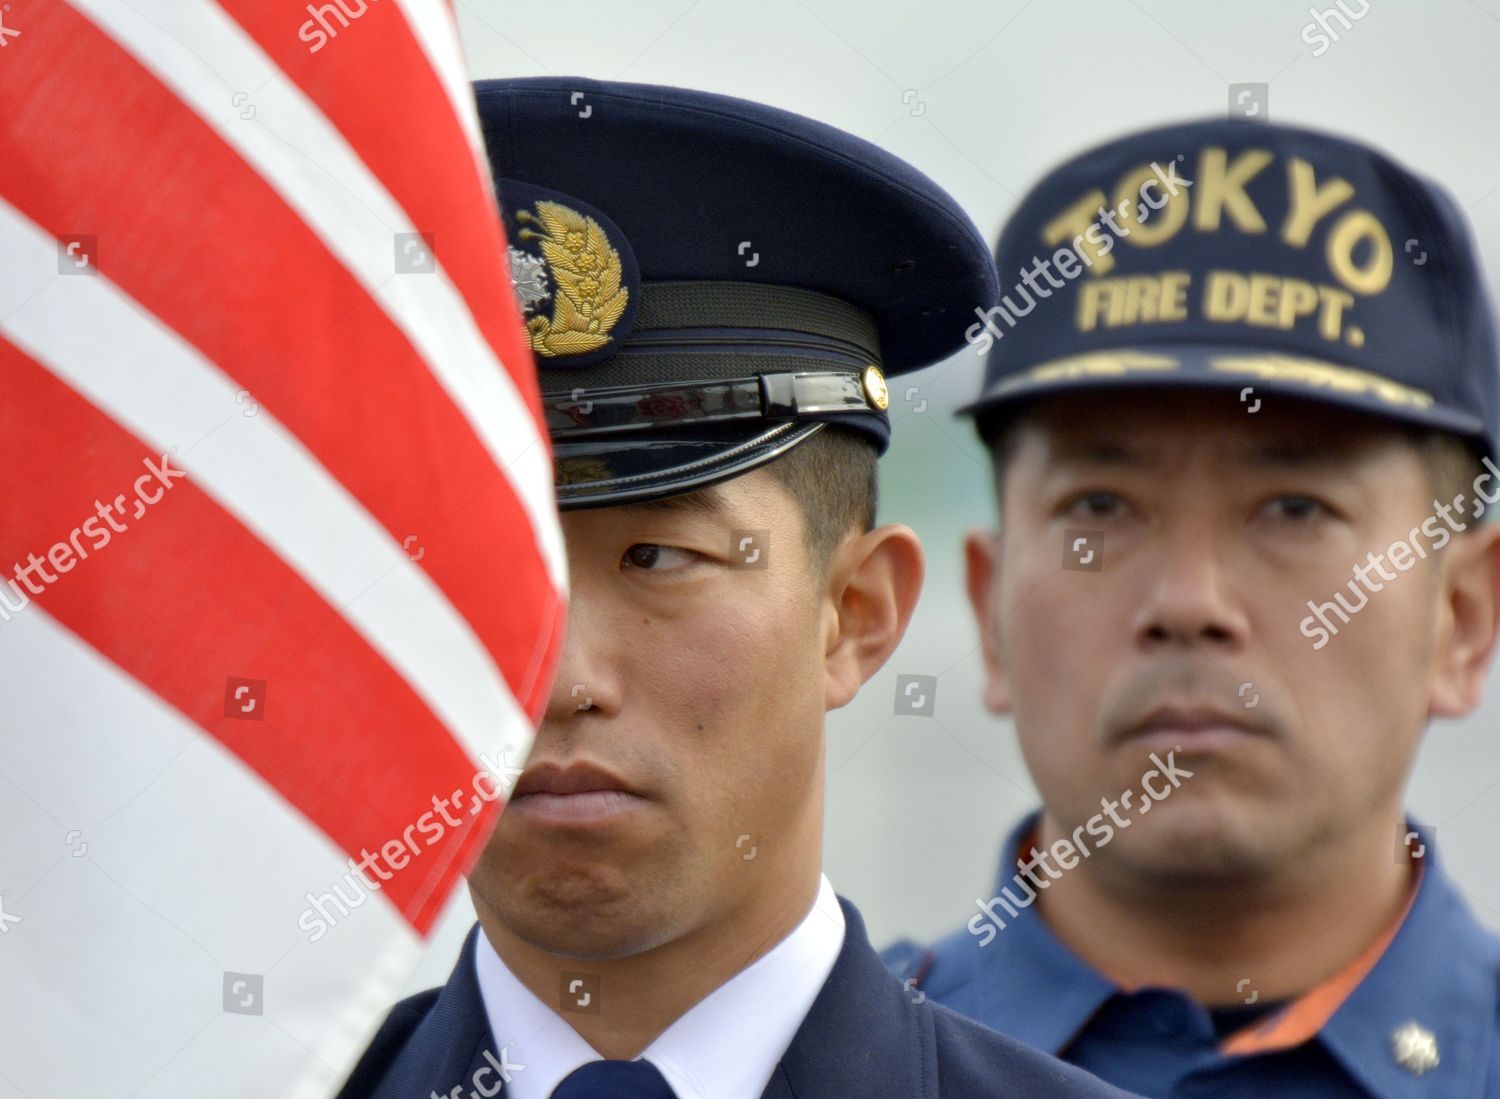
{"x":982,"y":579}
{"x":873,"y":584}
{"x":1466,"y":628}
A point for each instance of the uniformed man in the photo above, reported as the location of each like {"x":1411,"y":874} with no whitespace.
{"x":1237,"y":436}
{"x":714,"y":290}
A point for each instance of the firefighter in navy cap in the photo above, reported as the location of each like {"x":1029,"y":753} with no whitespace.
{"x":714,"y":292}
{"x":1241,"y":403}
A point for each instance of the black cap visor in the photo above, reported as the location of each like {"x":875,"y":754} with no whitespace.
{"x":610,"y":470}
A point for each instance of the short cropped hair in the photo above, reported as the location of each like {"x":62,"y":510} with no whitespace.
{"x":832,"y":476}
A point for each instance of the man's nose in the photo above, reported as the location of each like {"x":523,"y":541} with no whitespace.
{"x":586,"y":681}
{"x":1191,"y":595}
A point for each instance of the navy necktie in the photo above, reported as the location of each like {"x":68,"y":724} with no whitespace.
{"x":615,"y":1080}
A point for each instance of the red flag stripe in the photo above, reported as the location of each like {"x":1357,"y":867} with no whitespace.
{"x":193,"y":599}
{"x":442,"y":328}
{"x":175,"y":173}
{"x":421,"y":153}
{"x":159,"y":389}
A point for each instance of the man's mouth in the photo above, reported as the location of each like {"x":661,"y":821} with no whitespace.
{"x":1192,"y":729}
{"x":577,"y":793}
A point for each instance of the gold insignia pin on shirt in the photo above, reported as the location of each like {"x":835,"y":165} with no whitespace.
{"x":875,"y":388}
{"x":1415,"y":1048}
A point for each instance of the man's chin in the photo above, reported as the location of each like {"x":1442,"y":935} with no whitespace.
{"x":1200,"y":841}
{"x":582,"y":909}
{"x":594,"y":942}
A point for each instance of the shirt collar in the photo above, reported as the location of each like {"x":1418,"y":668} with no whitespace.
{"x":1031,"y":986}
{"x":1034,"y":988}
{"x":727,"y":1045}
{"x":1439,"y":973}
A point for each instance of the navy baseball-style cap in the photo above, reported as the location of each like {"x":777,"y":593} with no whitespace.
{"x":707,"y":282}
{"x":1243,"y":256}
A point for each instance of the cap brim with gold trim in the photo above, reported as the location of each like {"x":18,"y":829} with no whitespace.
{"x":1251,"y":375}
{"x":708,"y":282}
{"x":1243,"y":256}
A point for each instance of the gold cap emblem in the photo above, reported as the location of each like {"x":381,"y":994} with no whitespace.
{"x":875,"y":388}
{"x":588,"y":300}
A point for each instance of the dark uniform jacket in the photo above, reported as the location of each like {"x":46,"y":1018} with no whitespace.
{"x":865,"y":1037}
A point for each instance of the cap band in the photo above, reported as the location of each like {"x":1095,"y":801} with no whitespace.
{"x":783,"y":396}
{"x":709,"y":331}
{"x":682,"y":305}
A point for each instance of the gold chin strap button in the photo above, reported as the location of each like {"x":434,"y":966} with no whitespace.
{"x":875,"y":388}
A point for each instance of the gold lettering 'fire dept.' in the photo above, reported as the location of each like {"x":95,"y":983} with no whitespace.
{"x":1357,"y":249}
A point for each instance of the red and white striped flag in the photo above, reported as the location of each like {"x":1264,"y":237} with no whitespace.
{"x":280,"y":578}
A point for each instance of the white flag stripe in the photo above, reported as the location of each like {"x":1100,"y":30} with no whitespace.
{"x":158,"y":387}
{"x":224,"y":895}
{"x":204,"y":56}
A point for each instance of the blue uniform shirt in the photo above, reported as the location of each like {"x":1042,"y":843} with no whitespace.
{"x":1440,"y":972}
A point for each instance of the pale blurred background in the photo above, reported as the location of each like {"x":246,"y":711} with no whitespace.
{"x":984,"y":97}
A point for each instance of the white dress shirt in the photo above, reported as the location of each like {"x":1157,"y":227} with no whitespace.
{"x":725,"y":1047}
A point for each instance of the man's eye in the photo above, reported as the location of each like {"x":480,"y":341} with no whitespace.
{"x":649,"y":555}
{"x":1095,"y":505}
{"x":1298,"y":509}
